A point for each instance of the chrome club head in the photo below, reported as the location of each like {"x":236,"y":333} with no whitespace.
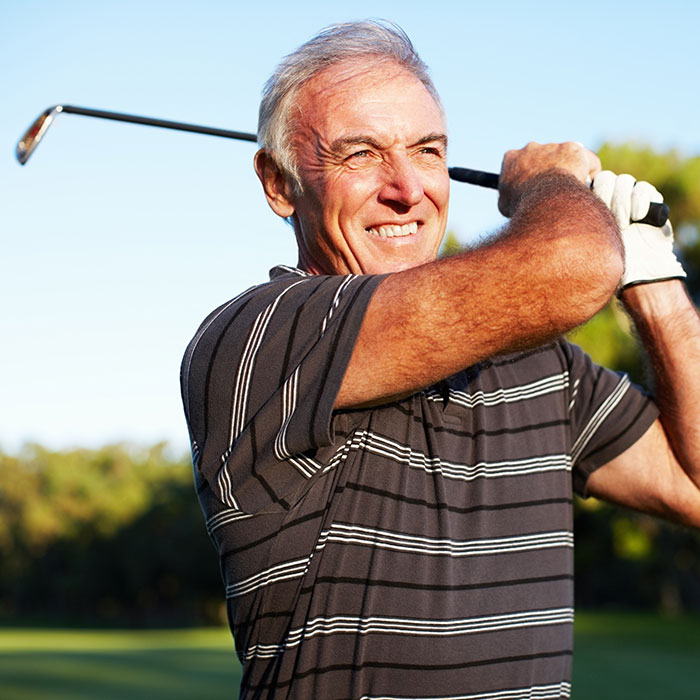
{"x":34,"y":134}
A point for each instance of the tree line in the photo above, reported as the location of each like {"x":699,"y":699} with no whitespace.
{"x":110,"y":536}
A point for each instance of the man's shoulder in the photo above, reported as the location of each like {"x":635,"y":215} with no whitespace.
{"x":256,"y":297}
{"x":291,"y":302}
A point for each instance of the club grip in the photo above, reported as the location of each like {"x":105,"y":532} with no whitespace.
{"x":656,"y":216}
{"x":474,"y":177}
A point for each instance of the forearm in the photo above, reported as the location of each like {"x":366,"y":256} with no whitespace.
{"x":553,"y":267}
{"x":669,"y":328}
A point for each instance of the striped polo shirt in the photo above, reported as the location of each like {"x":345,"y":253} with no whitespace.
{"x":420,"y":549}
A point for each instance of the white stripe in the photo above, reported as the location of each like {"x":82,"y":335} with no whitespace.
{"x":306,"y":465}
{"x":195,"y":451}
{"x":384,"y":539}
{"x":223,"y":481}
{"x":382,"y":446}
{"x":245,"y":367}
{"x":225,"y":517}
{"x":280,"y":572}
{"x":604,"y":410}
{"x":336,"y":301}
{"x":362,"y":440}
{"x":412,"y":626}
{"x":574,"y":393}
{"x":535,"y":692}
{"x":291,"y":386}
{"x":295,"y":270}
{"x":289,"y":404}
{"x":195,"y":341}
{"x":541,"y":387}
{"x":395,"y":451}
{"x":341,"y":533}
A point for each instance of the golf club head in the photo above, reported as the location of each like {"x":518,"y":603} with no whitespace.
{"x":34,"y":134}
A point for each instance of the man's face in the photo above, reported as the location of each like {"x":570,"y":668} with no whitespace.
{"x":371,"y":149}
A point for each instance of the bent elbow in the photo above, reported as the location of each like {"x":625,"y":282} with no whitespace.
{"x":606,"y":272}
{"x":592,"y":275}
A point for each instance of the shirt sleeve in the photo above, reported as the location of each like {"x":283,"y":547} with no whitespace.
{"x":259,"y":381}
{"x":608,"y":414}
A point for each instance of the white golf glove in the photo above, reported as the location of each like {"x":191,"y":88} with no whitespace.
{"x":649,"y":255}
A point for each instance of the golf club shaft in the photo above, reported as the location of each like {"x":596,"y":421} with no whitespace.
{"x":657,"y":215}
{"x":163,"y":123}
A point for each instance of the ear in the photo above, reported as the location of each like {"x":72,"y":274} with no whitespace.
{"x":277,"y":189}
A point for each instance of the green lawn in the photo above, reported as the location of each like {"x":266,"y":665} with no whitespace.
{"x":636,"y":657}
{"x":617,"y":657}
{"x":194,"y":664}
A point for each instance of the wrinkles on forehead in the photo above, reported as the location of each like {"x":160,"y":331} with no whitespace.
{"x":315,"y":120}
{"x":373,"y":69}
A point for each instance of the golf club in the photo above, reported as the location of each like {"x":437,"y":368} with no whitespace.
{"x":656,"y":216}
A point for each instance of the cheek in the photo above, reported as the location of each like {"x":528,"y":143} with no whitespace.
{"x":440,"y":202}
{"x":352,"y":193}
{"x":437,"y":187}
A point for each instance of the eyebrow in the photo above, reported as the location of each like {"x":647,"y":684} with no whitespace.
{"x":339,"y":145}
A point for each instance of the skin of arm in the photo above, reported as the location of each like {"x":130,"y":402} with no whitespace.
{"x":660,"y":473}
{"x":552,"y":268}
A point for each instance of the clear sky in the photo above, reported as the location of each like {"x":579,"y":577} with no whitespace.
{"x":117,"y":239}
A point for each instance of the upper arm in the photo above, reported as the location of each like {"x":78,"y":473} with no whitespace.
{"x":259,"y":380}
{"x":648,"y":477}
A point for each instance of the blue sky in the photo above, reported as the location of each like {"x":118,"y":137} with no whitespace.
{"x":117,"y":239}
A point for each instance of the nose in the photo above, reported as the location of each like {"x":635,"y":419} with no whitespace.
{"x":402,"y":185}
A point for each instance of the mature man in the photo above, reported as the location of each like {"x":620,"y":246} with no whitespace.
{"x":386,"y":445}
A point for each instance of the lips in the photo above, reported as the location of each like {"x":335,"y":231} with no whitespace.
{"x":394,"y":230}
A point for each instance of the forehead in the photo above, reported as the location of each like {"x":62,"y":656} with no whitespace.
{"x":366,"y":93}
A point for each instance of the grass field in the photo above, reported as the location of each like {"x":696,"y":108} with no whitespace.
{"x":618,"y":657}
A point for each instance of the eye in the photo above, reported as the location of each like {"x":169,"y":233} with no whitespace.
{"x":359,"y":154}
{"x":431,"y":151}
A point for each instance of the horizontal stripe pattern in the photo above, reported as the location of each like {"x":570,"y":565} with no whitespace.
{"x":280,"y":572}
{"x":535,"y":692}
{"x":443,"y":517}
{"x":413,"y":627}
{"x":415,"y":459}
{"x":344,"y":534}
{"x":525,"y":392}
{"x":354,"y":534}
{"x":393,"y":450}
{"x":225,"y":517}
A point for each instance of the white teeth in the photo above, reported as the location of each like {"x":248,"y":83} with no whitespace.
{"x":395,"y":231}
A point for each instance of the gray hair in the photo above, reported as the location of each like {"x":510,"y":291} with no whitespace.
{"x":339,"y":42}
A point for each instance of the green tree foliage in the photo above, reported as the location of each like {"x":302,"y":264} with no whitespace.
{"x":450,"y":245}
{"x":112,"y":535}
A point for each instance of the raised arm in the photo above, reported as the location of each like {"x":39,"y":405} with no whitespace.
{"x":554,"y":266}
{"x":660,"y":474}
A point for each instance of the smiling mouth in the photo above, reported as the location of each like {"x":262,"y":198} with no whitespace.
{"x":394,"y":230}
